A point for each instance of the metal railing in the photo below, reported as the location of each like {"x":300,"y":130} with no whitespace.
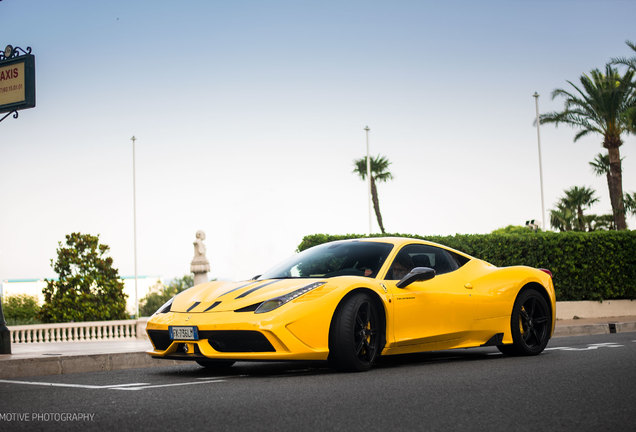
{"x":88,"y":331}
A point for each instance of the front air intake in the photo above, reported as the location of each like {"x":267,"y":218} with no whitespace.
{"x":237,"y":341}
{"x":160,"y":339}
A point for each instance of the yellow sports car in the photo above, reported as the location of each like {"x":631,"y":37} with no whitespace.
{"x":351,"y":301}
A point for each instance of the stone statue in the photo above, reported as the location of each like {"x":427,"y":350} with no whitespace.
{"x":200,"y":265}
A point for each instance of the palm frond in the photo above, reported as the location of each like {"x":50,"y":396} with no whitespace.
{"x":600,"y":165}
{"x":379,"y":168}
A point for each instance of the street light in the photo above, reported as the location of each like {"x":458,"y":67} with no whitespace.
{"x":536,"y":103}
{"x":366,"y":129}
{"x":133,"y":139}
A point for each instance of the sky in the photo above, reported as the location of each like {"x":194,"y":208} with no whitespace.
{"x":248,"y":116}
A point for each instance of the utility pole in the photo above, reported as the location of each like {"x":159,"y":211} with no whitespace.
{"x":536,"y":104}
{"x":133,"y":139}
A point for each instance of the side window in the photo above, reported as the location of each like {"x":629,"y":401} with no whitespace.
{"x":416,"y":255}
{"x":459,"y":259}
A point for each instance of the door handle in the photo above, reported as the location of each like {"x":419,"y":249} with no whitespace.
{"x":468,"y":285}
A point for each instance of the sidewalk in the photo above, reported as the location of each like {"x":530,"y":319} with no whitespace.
{"x":78,"y":357}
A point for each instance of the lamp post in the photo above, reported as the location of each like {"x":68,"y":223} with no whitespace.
{"x":366,"y":129}
{"x":133,"y":139}
{"x":536,"y":104}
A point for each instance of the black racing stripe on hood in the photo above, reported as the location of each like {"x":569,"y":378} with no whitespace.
{"x":237,"y":288}
{"x":248,"y":292}
{"x":215,"y":304}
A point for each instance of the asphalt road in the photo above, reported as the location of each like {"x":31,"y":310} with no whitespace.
{"x":580,"y":383}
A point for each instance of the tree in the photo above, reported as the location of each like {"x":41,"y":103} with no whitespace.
{"x":21,"y":309}
{"x":154,"y":300}
{"x":569,"y":216}
{"x":601,"y":106}
{"x":88,"y":287}
{"x":577,"y":199}
{"x":600,"y":165}
{"x":562,"y":218}
{"x":629,"y":62}
{"x":630,"y":203}
{"x":379,"y":173}
{"x":600,"y":222}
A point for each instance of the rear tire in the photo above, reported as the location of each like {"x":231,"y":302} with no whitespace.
{"x":530,"y":324}
{"x":216,"y":364}
{"x":356,"y":334}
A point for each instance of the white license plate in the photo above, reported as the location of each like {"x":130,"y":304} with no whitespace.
{"x":184,"y":333}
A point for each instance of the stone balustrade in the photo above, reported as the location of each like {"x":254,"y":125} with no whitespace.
{"x":89,"y":331}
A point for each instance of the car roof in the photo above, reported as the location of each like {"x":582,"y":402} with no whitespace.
{"x":401,"y":241}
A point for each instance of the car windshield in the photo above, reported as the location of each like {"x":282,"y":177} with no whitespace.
{"x":343,"y":258}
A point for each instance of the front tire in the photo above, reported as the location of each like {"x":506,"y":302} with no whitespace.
{"x":355,"y":336}
{"x":530,"y":324}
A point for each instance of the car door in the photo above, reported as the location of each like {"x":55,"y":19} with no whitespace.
{"x":435,"y":310}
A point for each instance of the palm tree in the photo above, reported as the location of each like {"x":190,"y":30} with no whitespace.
{"x":379,"y":173}
{"x":568,"y":215}
{"x":578,"y":198}
{"x":629,"y":62}
{"x":600,"y":165}
{"x":599,"y":222}
{"x":602,"y":106}
{"x":630,"y":203}
{"x":562,"y":218}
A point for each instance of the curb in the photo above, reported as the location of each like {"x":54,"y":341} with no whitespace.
{"x":61,"y":365}
{"x":594,"y":329}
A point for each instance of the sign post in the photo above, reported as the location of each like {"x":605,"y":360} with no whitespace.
{"x":17,"y":80}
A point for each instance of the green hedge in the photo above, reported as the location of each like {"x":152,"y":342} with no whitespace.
{"x":598,"y":265}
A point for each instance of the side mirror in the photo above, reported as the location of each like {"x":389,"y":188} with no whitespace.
{"x":417,"y":274}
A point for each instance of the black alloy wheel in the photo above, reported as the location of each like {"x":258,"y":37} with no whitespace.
{"x":530,"y":324}
{"x":355,"y":336}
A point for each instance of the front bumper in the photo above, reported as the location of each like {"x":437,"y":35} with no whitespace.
{"x":241,"y":336}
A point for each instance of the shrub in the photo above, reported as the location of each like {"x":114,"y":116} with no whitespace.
{"x":21,"y":309}
{"x":153,"y":301}
{"x":598,"y":265}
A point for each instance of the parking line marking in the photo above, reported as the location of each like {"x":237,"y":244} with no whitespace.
{"x":222,"y":377}
{"x":588,"y":348}
{"x":87,"y":386}
{"x":166,"y":385}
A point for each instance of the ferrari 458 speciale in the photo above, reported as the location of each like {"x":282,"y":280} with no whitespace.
{"x":349,"y":302}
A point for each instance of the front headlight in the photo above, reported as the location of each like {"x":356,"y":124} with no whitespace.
{"x":165,"y":308}
{"x":271,"y":304}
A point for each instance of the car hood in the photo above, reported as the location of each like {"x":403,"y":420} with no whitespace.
{"x":229,"y":296}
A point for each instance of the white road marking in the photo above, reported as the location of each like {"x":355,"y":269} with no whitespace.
{"x":222,"y":377}
{"x":47,"y":384}
{"x":588,"y":348}
{"x":166,"y":385}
